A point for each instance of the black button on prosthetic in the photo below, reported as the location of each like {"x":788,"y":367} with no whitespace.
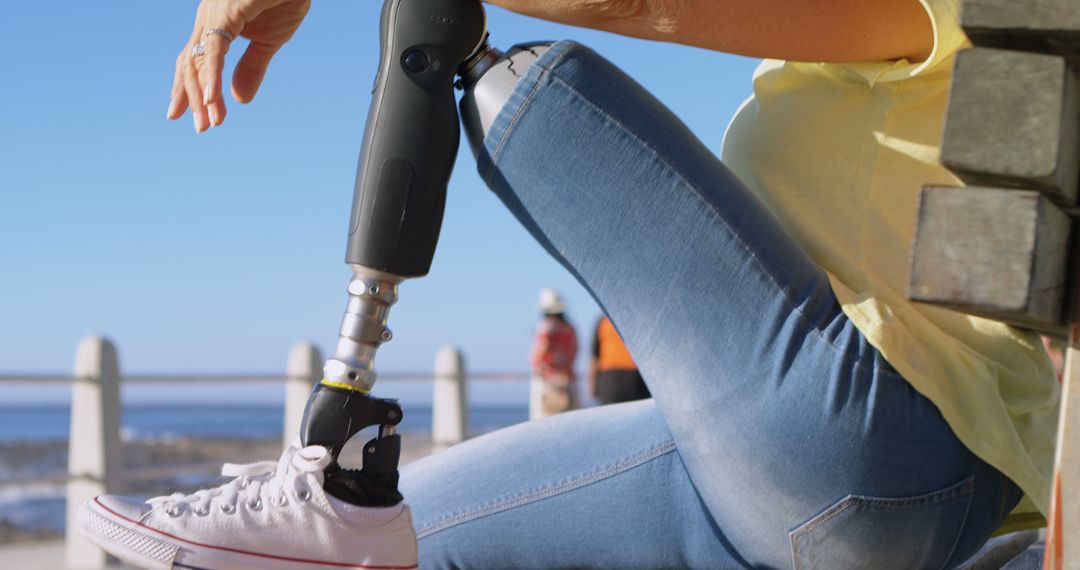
{"x":415,"y":60}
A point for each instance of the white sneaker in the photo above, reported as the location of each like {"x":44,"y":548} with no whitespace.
{"x":268,"y":516}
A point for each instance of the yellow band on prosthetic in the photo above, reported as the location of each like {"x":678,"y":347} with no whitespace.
{"x":343,"y":386}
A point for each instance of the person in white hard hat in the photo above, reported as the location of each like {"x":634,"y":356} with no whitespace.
{"x":552,"y":358}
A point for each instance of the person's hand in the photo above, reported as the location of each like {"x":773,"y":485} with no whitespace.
{"x":197,"y":83}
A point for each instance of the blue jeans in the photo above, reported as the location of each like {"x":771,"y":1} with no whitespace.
{"x":777,"y":436}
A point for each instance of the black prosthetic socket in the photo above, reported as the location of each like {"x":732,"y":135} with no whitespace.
{"x":331,"y":418}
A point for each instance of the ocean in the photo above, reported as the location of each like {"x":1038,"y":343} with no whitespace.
{"x":163,"y":421}
{"x":33,"y":444}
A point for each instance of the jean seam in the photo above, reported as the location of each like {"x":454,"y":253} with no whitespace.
{"x":961,"y":489}
{"x":963,"y":525}
{"x":524,"y":105}
{"x":666,"y":165}
{"x":544,"y":493}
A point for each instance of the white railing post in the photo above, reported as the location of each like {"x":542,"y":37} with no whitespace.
{"x":95,"y":458}
{"x":536,"y":397}
{"x":449,"y":413}
{"x":304,"y":370}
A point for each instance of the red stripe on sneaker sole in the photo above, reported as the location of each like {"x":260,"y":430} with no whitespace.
{"x":249,"y":553}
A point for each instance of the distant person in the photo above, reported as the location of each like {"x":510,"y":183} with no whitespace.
{"x":613,"y":376}
{"x":552,"y":357}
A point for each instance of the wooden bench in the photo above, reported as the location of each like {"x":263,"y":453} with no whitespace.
{"x":1003,"y":247}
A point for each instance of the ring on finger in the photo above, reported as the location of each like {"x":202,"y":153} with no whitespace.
{"x":198,"y":49}
{"x":220,"y":32}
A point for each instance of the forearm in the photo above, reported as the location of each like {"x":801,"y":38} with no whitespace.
{"x":801,"y":30}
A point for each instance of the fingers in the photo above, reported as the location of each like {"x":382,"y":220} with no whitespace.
{"x":197,"y":84}
{"x":211,"y":65}
{"x":195,"y":99}
{"x":215,"y":112}
{"x":208,"y":70}
{"x":178,"y":100}
{"x":250,"y":71}
{"x":197,"y":81}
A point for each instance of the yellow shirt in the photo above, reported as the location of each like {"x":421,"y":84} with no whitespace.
{"x":838,"y":153}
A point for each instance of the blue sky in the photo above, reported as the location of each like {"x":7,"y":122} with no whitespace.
{"x":217,"y":252}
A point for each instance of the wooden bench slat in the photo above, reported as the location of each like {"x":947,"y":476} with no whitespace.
{"x":1014,"y":121}
{"x":1047,"y":26}
{"x":992,"y":252}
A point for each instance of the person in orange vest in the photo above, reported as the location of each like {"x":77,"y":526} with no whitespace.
{"x":613,"y":376}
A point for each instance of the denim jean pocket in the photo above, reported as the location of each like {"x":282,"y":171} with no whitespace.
{"x":909,"y":533}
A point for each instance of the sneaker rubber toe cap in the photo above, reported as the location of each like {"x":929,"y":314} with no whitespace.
{"x":125,"y":507}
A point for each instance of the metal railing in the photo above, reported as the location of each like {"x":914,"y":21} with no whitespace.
{"x":95,"y":462}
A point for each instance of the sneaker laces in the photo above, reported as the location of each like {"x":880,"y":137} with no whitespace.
{"x":252,"y":482}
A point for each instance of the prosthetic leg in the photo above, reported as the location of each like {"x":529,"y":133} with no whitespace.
{"x":287,"y":517}
{"x":410,"y":144}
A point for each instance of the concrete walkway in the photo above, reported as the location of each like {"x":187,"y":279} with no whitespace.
{"x":33,"y":555}
{"x":45,"y":555}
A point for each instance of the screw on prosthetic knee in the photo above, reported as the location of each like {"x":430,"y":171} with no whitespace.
{"x":333,"y":416}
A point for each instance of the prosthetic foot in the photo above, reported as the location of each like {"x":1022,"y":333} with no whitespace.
{"x":332,"y":412}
